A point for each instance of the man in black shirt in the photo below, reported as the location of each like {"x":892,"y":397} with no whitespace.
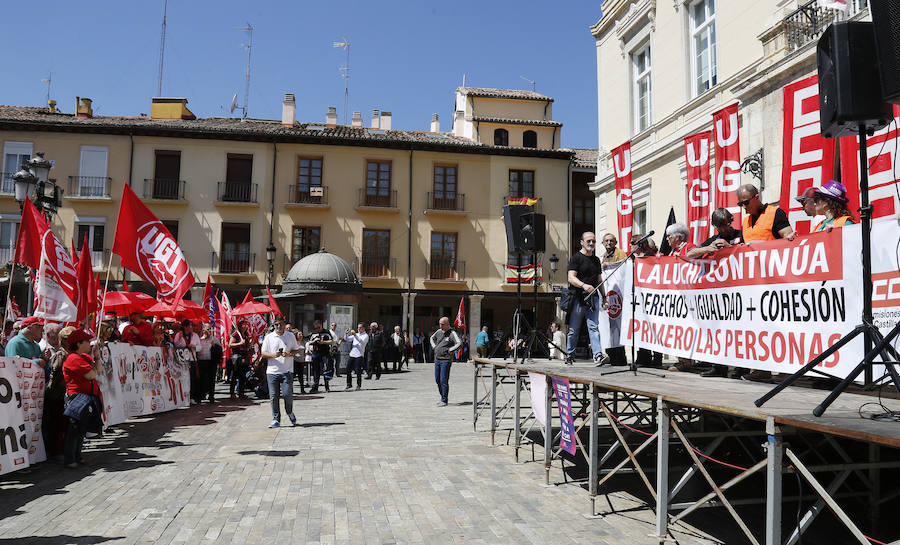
{"x":321,"y":360}
{"x":726,"y":235}
{"x":584,"y":275}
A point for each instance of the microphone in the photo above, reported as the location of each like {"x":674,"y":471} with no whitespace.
{"x":643,"y":238}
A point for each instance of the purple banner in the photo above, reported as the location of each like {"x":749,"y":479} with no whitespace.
{"x":566,"y":422}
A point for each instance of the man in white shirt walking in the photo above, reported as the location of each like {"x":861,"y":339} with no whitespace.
{"x":357,"y":358}
{"x":279,"y":347}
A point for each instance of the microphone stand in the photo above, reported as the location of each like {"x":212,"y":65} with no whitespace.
{"x":633,"y":367}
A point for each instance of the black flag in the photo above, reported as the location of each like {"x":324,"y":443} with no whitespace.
{"x":664,"y":248}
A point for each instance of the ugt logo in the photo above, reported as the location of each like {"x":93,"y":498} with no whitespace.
{"x":160,"y":257}
{"x":615,"y":304}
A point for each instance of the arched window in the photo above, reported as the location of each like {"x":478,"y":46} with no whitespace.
{"x":529,"y":139}
{"x":501,"y":137}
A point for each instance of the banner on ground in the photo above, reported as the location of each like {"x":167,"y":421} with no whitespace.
{"x":566,"y":422}
{"x":772,"y":306}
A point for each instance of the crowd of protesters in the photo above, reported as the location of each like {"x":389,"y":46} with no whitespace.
{"x":825,"y":205}
{"x":265,"y":365}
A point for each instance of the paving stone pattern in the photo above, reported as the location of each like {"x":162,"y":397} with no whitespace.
{"x":383,"y":465}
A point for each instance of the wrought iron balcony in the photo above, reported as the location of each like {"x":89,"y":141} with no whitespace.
{"x":100,"y":258}
{"x":89,"y":187}
{"x":377,"y":197}
{"x":7,"y":186}
{"x":442,"y":200}
{"x":377,"y":267}
{"x":806,"y":23}
{"x":312,"y":195}
{"x":451,"y":270}
{"x":164,"y":189}
{"x":233,"y":263}
{"x":237,"y":192}
{"x":6,"y":255}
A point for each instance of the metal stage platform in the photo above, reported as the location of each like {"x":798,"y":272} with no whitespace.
{"x":711,"y":443}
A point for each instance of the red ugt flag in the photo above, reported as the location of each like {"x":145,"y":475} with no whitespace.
{"x":460,"y":320}
{"x":31,"y":232}
{"x":621,"y":157}
{"x":728,"y":160}
{"x":273,"y":304}
{"x":696,"y":152}
{"x":148,"y":249}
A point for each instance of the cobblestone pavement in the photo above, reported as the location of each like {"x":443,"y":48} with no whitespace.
{"x":382,"y":465}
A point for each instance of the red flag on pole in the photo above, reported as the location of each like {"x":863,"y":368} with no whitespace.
{"x":273,"y":304}
{"x":148,"y":249}
{"x":125,"y":285}
{"x":85,"y":275}
{"x":247,"y":298}
{"x":460,"y":320}
{"x":14,"y":313}
{"x":207,"y":299}
{"x":621,"y":157}
{"x":223,"y":324}
{"x":32,"y":228}
{"x":728,"y":160}
{"x":696,"y":154}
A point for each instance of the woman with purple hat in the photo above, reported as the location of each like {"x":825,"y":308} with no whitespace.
{"x":831,"y":201}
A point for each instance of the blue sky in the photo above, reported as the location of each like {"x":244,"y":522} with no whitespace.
{"x":406,"y":57}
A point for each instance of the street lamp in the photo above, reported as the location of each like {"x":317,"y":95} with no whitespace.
{"x":554,"y":266}
{"x":270,"y":257}
{"x":33,"y":182}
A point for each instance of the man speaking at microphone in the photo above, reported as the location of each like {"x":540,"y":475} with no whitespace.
{"x":584,"y":276}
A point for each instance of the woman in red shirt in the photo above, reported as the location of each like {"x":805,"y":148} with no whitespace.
{"x":79,"y":372}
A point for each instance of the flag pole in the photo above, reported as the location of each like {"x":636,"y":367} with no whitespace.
{"x":106,"y":285}
{"x":12,"y":273}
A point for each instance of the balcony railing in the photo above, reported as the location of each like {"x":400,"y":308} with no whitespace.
{"x":6,"y":255}
{"x":445,"y":269}
{"x":378,"y":267}
{"x":89,"y":187}
{"x":237,"y":192}
{"x":7,"y":186}
{"x":806,"y":23}
{"x":164,"y":189}
{"x":535,"y":202}
{"x":233,"y":263}
{"x":442,"y":200}
{"x":308,"y":194}
{"x":378,"y":198}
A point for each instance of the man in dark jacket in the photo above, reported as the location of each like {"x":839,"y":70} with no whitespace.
{"x":375,"y":351}
{"x":445,"y":342}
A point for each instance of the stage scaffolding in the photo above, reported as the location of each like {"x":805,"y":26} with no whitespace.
{"x":627,"y":418}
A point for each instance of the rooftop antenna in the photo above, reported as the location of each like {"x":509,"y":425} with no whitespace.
{"x":531,"y":81}
{"x":48,"y":80}
{"x":162,"y":50}
{"x":249,"y":48}
{"x":345,"y":73}
{"x":464,"y":81}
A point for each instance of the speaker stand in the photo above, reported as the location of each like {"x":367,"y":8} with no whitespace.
{"x":871,"y":334}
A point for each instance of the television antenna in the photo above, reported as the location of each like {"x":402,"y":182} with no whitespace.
{"x":531,"y":81}
{"x":249,"y":48}
{"x":345,"y":73}
{"x":162,"y":50}
{"x":48,"y":80}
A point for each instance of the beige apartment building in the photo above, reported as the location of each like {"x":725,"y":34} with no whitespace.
{"x":417,"y":214}
{"x":663,"y":68}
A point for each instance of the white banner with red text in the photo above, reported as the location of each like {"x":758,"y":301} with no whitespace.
{"x":772,"y":306}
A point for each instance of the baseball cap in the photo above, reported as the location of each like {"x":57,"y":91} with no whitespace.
{"x":807,"y":194}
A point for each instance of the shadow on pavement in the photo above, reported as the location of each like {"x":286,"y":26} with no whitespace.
{"x":278,"y":453}
{"x":60,"y":540}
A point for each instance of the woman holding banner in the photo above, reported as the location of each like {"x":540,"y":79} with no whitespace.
{"x":831,"y":201}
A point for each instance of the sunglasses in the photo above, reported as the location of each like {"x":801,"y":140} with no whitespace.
{"x":745,"y":202}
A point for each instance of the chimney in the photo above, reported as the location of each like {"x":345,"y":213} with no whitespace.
{"x":331,"y":117}
{"x":84,"y":107}
{"x":357,"y":119}
{"x":459,"y":123}
{"x":52,"y":105}
{"x":386,"y":120}
{"x":288,"y":110}
{"x":170,"y":108}
{"x":376,"y":119}
{"x":435,"y":123}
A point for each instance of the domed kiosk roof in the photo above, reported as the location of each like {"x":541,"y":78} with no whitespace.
{"x":321,"y":272}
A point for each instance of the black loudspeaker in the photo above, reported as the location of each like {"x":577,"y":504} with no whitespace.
{"x":512,"y":217}
{"x":534,"y":232}
{"x":849,"y":82}
{"x":886,"y":18}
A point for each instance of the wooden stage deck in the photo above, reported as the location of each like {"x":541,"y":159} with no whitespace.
{"x":792,"y":407}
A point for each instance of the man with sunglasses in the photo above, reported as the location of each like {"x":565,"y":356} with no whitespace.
{"x":726,"y":235}
{"x":584,"y":275}
{"x":761,"y":221}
